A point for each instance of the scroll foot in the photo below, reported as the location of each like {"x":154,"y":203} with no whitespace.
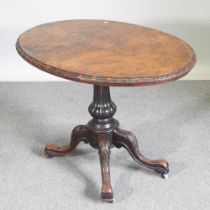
{"x":79,"y":133}
{"x":126,"y":139}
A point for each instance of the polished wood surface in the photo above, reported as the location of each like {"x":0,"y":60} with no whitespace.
{"x":106,"y":52}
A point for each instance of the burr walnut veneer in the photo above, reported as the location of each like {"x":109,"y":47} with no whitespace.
{"x":106,"y":53}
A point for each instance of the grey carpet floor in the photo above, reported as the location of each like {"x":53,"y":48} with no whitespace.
{"x":171,"y":121}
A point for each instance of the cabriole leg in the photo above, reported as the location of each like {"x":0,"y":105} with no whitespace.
{"x":104,"y":141}
{"x":126,"y":139}
{"x":79,"y":133}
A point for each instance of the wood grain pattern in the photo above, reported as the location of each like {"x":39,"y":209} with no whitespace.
{"x":106,"y":52}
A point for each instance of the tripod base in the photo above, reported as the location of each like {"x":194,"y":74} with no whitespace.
{"x":104,"y":141}
{"x":103,"y":133}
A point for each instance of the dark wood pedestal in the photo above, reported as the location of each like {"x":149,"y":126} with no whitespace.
{"x":103,"y":133}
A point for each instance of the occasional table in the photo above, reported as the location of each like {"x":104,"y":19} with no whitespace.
{"x":106,"y":53}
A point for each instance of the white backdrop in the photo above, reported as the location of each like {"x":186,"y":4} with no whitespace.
{"x":187,"y":19}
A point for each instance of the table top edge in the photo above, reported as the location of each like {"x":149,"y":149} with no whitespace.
{"x":106,"y":81}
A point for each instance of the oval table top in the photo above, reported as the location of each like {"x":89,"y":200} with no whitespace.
{"x":106,"y":52}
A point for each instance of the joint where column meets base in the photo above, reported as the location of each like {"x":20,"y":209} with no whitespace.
{"x":105,"y":125}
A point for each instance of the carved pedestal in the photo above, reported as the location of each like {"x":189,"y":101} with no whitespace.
{"x":103,"y":133}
